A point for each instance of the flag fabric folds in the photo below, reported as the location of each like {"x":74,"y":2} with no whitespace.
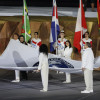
{"x":98,"y":13}
{"x":26,"y":32}
{"x":81,"y":27}
{"x":55,"y":30}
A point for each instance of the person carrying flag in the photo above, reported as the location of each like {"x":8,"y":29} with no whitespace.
{"x":84,"y":40}
{"x":61,"y":43}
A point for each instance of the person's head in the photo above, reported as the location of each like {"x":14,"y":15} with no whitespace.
{"x":68,"y":44}
{"x":43,"y":49}
{"x":86,"y":34}
{"x":35,"y":35}
{"x":62,"y":34}
{"x":15,"y":36}
{"x":21,"y":38}
{"x":87,"y":45}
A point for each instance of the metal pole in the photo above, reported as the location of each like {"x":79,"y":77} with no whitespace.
{"x":81,"y":22}
{"x":56,"y":27}
{"x":25,"y":20}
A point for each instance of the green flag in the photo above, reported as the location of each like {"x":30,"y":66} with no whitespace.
{"x":26,"y":32}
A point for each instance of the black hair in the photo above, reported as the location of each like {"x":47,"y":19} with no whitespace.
{"x":43,"y":49}
{"x":36,"y":33}
{"x":88,"y":44}
{"x":85,"y":33}
{"x":69,"y":44}
{"x":16,"y":34}
{"x":21,"y":36}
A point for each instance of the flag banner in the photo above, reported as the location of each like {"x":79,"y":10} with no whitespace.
{"x":98,"y":13}
{"x":26,"y":32}
{"x":81,"y":27}
{"x":55,"y":30}
{"x":16,"y":57}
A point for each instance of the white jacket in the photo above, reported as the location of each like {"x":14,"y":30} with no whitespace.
{"x":68,"y":52}
{"x":61,"y":45}
{"x":43,"y":62}
{"x":88,"y":59}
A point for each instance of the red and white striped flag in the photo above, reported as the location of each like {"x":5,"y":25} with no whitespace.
{"x":81,"y":27}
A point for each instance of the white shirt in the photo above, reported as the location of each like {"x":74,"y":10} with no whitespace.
{"x":88,"y":59}
{"x":68,"y":52}
{"x":84,"y":41}
{"x":17,"y":40}
{"x":61,"y":44}
{"x":36,"y":43}
{"x":43,"y":60}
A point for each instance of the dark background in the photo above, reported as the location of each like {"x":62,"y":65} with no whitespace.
{"x":42,"y":3}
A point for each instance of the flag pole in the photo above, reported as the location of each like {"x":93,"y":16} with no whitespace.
{"x":81,"y":23}
{"x":24,"y":20}
{"x":56,"y":27}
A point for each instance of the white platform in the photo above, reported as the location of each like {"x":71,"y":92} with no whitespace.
{"x":45,"y":11}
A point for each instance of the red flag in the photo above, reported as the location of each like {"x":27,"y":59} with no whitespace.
{"x":81,"y":27}
{"x":98,"y":11}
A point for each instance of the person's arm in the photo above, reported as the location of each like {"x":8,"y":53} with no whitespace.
{"x":82,"y":43}
{"x":57,"y":44}
{"x":39,"y":43}
{"x":91,"y":43}
{"x":40,"y":61}
{"x":84,"y":60}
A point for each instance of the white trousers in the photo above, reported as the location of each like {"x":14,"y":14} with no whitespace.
{"x":17,"y":75}
{"x":68,"y":77}
{"x":44,"y":77}
{"x":88,"y":77}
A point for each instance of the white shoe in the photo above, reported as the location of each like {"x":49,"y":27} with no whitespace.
{"x":91,"y":91}
{"x":67,"y":82}
{"x":85,"y":91}
{"x":61,"y":72}
{"x":43,"y":91}
{"x":15,"y":81}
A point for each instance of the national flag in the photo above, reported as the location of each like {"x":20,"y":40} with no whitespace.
{"x":26,"y":32}
{"x":98,"y":13}
{"x":55,"y":30}
{"x":81,"y":27}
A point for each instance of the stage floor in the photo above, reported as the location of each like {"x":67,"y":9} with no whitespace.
{"x":45,"y":11}
{"x":30,"y":89}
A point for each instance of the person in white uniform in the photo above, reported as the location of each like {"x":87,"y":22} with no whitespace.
{"x":17,"y":73}
{"x":61,"y":44}
{"x":43,"y":66}
{"x":67,"y":54}
{"x":23,"y":73}
{"x":84,"y":40}
{"x":87,"y":67}
{"x":36,"y":42}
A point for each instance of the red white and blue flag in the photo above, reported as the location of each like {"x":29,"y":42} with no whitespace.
{"x":55,"y":30}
